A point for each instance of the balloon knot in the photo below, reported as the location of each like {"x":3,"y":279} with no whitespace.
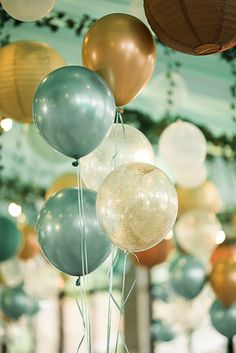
{"x":75,"y":163}
{"x":120,"y":110}
{"x":77,"y":282}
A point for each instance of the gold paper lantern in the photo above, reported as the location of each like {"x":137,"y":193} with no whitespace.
{"x":68,"y":180}
{"x":193,"y":27}
{"x":205,"y":196}
{"x":23,"y":65}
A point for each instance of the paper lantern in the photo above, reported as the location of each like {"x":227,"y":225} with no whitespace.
{"x":23,"y":65}
{"x":155,"y":255}
{"x":193,"y":27}
{"x":205,"y":196}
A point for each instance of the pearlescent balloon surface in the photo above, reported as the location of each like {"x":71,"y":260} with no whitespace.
{"x":73,"y":110}
{"x":137,"y":206}
{"x":124,"y":144}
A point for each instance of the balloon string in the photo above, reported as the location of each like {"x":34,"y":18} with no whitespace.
{"x":83,"y":320}
{"x":122,"y":123}
{"x":84,"y":257}
{"x":109,"y":314}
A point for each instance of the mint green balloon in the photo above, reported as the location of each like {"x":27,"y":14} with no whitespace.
{"x":223,"y":319}
{"x":15,"y":302}
{"x":59,"y":232}
{"x":73,"y":110}
{"x":10,"y":239}
{"x":187,"y":276}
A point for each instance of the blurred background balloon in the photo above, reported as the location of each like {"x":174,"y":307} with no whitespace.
{"x":71,"y":125}
{"x":129,"y":64}
{"x":14,"y":302}
{"x":190,"y":178}
{"x":188,"y":276}
{"x":27,"y":63}
{"x":13,"y":272}
{"x":223,"y":280}
{"x":68,"y":180}
{"x":30,"y":244}
{"x":224,"y":251}
{"x":161,"y":332}
{"x":224,"y":319}
{"x":10,"y":239}
{"x":205,"y":196}
{"x":140,"y":210}
{"x":124,"y":144}
{"x":154,"y":256}
{"x":42,"y":148}
{"x":197,"y":231}
{"x":41,"y":281}
{"x":182,"y":145}
{"x":59,"y":233}
{"x":28,"y":10}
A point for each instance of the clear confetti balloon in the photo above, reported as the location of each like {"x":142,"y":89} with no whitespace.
{"x":182,"y":144}
{"x":28,"y":10}
{"x":137,"y":206}
{"x":196,"y":232}
{"x":124,"y":144}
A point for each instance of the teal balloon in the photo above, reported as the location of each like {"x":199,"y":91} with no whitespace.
{"x":73,"y":110}
{"x":59,"y":232}
{"x":161,"y":332}
{"x":188,"y":276}
{"x":162,"y":291}
{"x":10,"y":239}
{"x":14,"y":302}
{"x":33,"y":307}
{"x":118,"y":265}
{"x":223,"y":319}
{"x":173,"y":260}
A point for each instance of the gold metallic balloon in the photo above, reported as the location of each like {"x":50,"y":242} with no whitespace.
{"x":30,"y":244}
{"x":223,"y":280}
{"x":121,"y":49}
{"x":23,"y":65}
{"x":124,"y":144}
{"x":137,"y":206}
{"x":205,"y":196}
{"x":68,"y":180}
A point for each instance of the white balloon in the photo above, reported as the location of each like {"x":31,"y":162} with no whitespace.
{"x":124,"y":144}
{"x":28,"y":10}
{"x":12,"y":272}
{"x":190,"y":178}
{"x":41,"y":280}
{"x":196,"y":232}
{"x":183,"y":145}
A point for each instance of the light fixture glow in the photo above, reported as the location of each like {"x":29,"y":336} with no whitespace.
{"x":6,"y":124}
{"x":14,"y":209}
{"x":220,"y":237}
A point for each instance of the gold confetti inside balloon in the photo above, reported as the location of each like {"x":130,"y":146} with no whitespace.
{"x":137,"y":206}
{"x":23,"y":65}
{"x":123,"y":145}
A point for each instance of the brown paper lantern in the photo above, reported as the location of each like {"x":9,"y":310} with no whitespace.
{"x":155,"y":255}
{"x":196,"y":27}
{"x":205,"y":196}
{"x":23,"y":65}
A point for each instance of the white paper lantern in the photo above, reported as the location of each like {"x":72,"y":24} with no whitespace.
{"x":183,"y":145}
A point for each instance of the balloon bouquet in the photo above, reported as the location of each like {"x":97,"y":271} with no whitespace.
{"x":131,"y":204}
